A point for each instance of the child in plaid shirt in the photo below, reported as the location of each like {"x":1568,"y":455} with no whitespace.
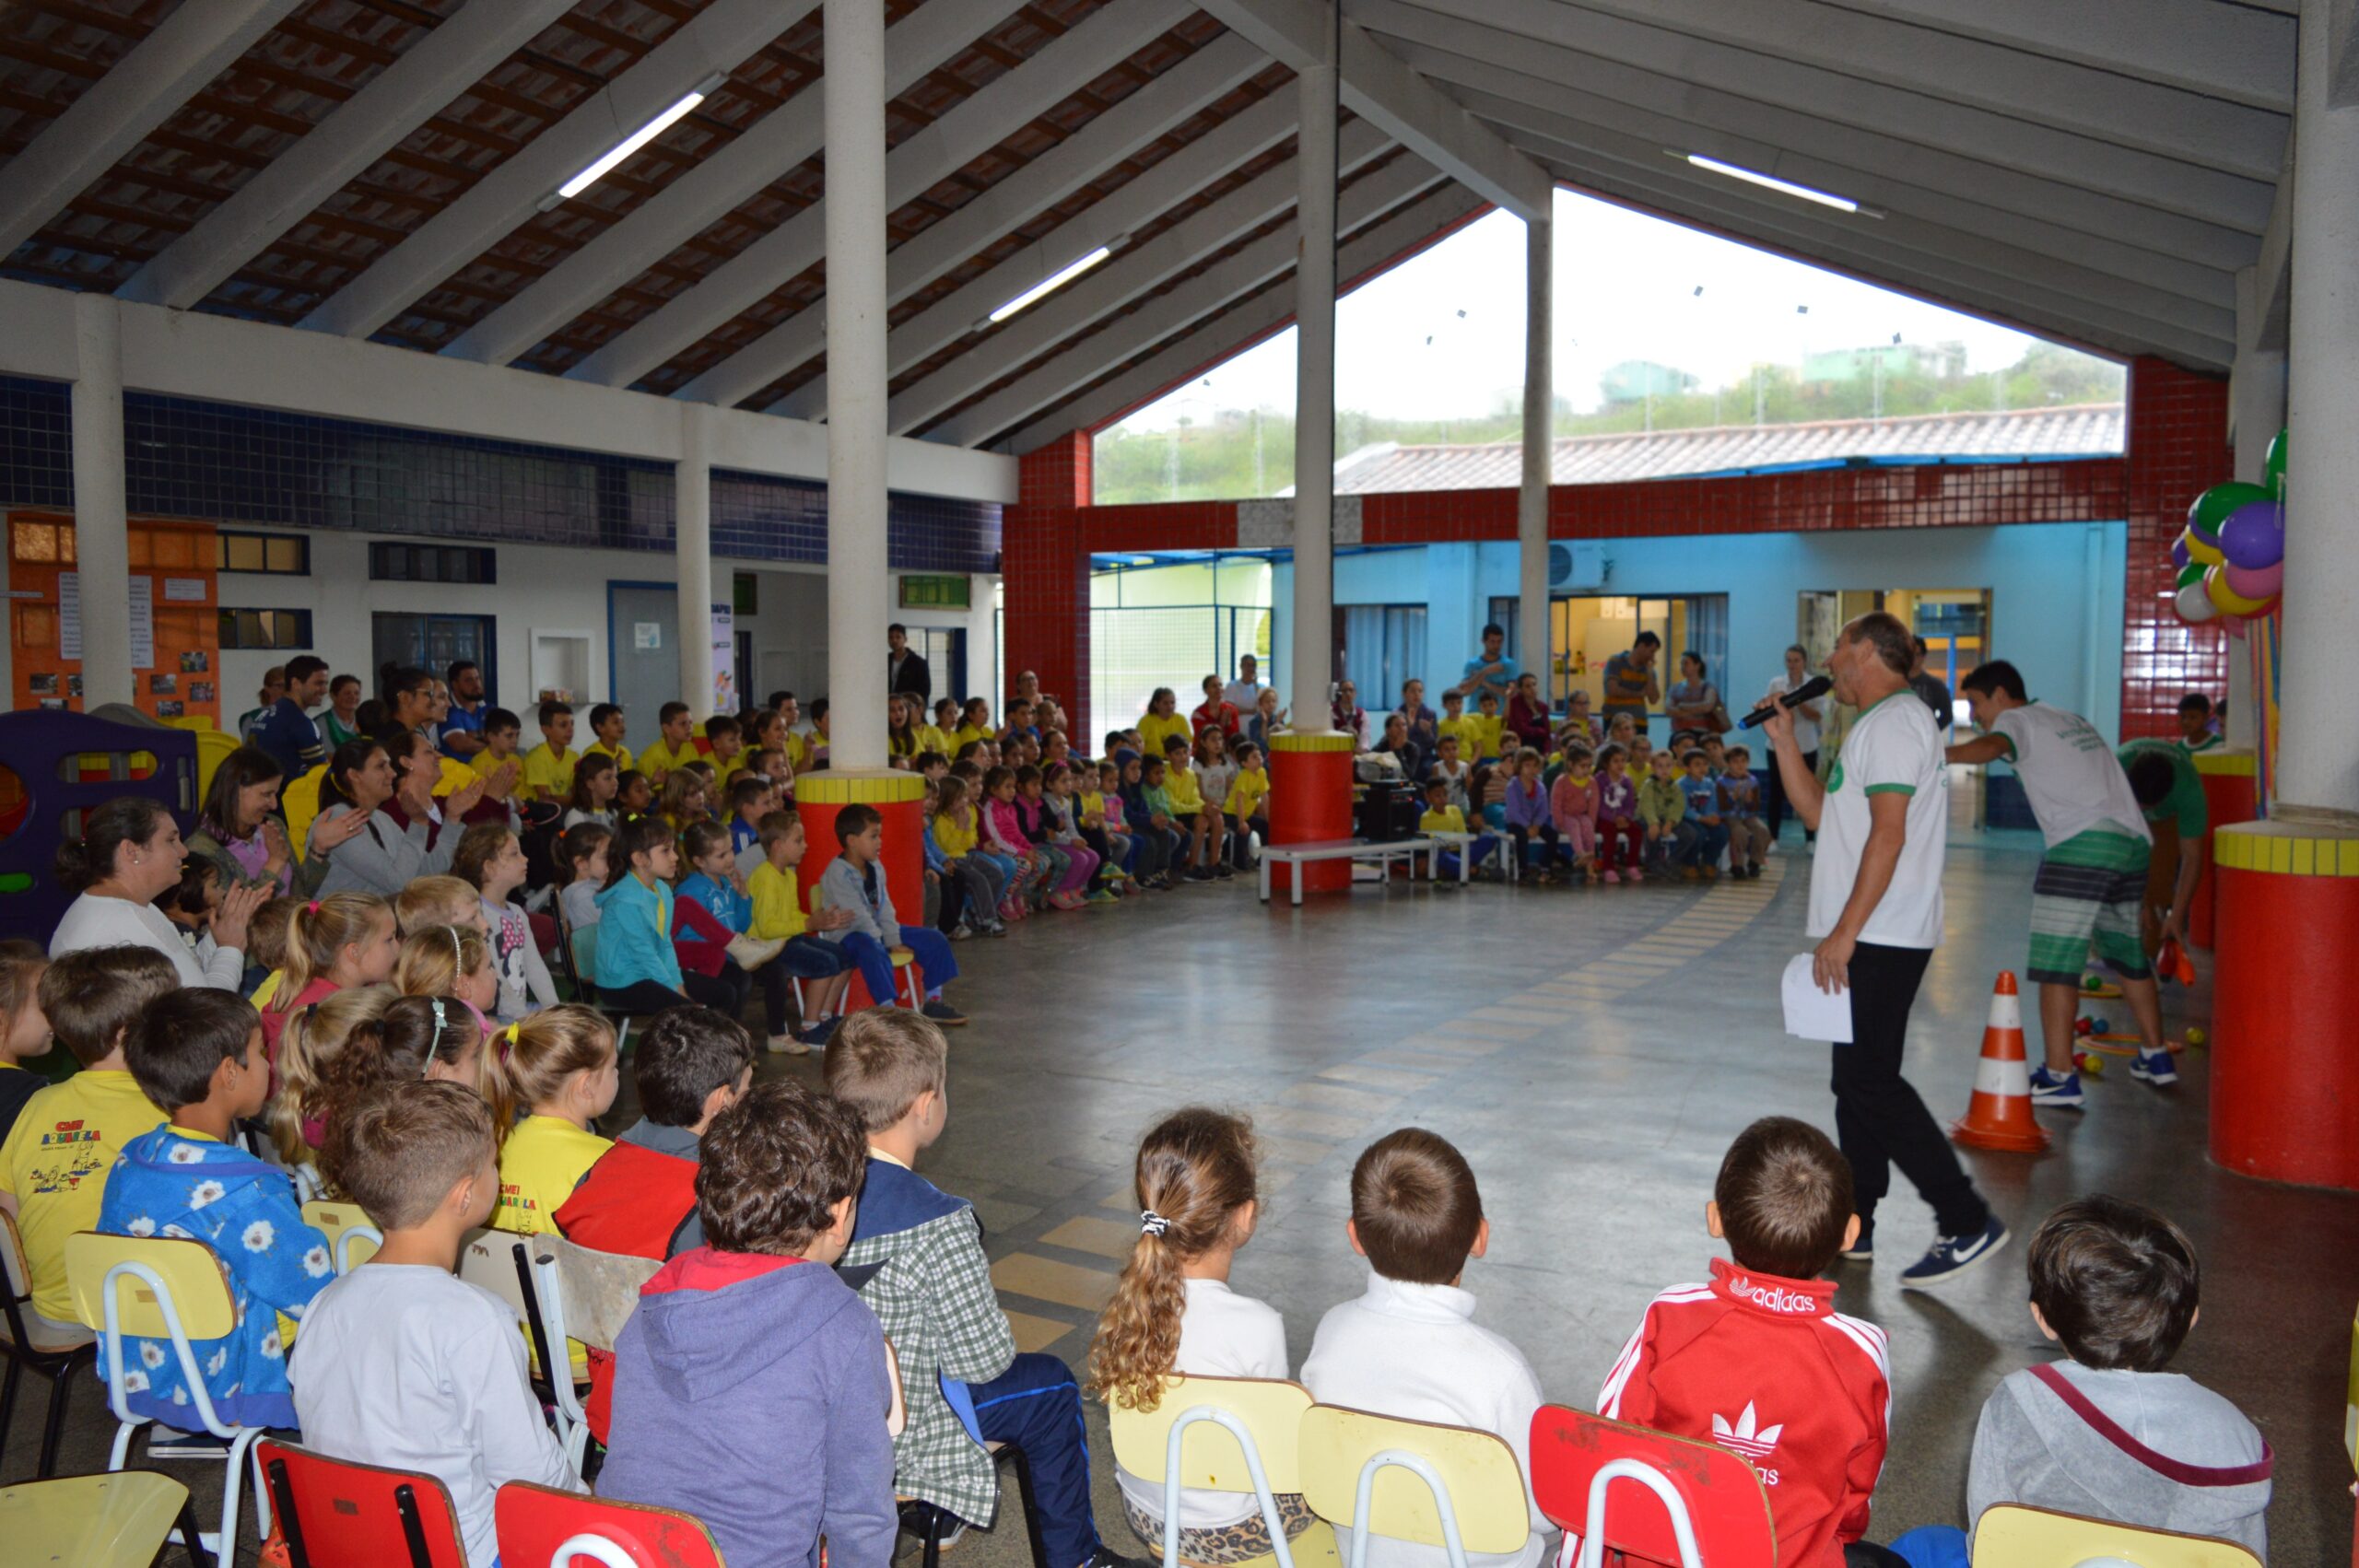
{"x":918,"y":1253}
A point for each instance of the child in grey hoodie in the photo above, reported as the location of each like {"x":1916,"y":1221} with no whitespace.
{"x":2109,"y":1434}
{"x":752,"y":1387}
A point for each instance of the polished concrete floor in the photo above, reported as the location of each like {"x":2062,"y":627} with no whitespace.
{"x":1592,"y":1051}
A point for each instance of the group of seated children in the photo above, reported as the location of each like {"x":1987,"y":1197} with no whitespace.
{"x":754,"y":1384}
{"x":1620,"y":811}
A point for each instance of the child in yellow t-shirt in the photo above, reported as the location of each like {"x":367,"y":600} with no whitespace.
{"x":53,"y":1166}
{"x":1485,"y":729}
{"x":776,"y":891}
{"x":549,"y":767}
{"x":1204,"y":827}
{"x":1248,"y":793}
{"x":607,"y":723}
{"x":1442,"y":816}
{"x":560,"y":1066}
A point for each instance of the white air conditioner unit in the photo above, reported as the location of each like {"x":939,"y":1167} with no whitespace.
{"x":1578,"y":566}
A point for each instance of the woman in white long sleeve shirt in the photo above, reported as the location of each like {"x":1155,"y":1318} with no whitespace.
{"x":385,"y":856}
{"x":131,"y":851}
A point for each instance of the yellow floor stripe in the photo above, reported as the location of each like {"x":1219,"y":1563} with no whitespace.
{"x":1441,"y":1044}
{"x":1507,"y":1015}
{"x":1087,"y":1233}
{"x":1311,"y":1124}
{"x":1485,"y":1023}
{"x":1335,"y":1097}
{"x":1036,"y":1333}
{"x":1295,"y":1150}
{"x":1044,"y":1279}
{"x":1375,"y":1077}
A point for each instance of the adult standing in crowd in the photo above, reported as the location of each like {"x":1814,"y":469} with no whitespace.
{"x":274,"y":687}
{"x":1875,"y":912}
{"x":1807,"y":715}
{"x":1631,"y":682}
{"x":1493,"y":672}
{"x":1931,"y":688}
{"x":129,"y":853}
{"x":905,"y":674}
{"x":1244,"y":694}
{"x":462,"y":721}
{"x":341,"y":723}
{"x":287,"y":732}
{"x":1694,"y":704}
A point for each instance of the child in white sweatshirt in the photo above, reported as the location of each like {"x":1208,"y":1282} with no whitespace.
{"x":1410,"y":1347}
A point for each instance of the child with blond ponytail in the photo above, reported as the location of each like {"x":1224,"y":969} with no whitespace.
{"x":316,"y":1034}
{"x":332,"y":945}
{"x":452,"y":961}
{"x":1173,"y":1312}
{"x":559,"y":1066}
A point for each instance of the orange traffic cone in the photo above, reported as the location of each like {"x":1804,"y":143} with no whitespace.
{"x":1999,"y":1114}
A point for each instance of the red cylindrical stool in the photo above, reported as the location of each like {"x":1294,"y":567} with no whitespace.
{"x":900,"y":799}
{"x":2230,"y":781}
{"x":1310,"y":801}
{"x":2284,"y":1079}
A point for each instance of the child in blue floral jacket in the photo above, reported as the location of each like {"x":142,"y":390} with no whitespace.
{"x":197,"y":1054}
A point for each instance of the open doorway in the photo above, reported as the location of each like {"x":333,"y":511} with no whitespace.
{"x":1586,"y":632}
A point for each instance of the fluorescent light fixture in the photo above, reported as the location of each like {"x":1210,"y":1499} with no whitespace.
{"x":1051,"y":285}
{"x":631,"y":144}
{"x":1771,"y":182}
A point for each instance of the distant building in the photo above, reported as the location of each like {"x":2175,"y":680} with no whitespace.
{"x":1942,"y":361}
{"x":1634,"y":381}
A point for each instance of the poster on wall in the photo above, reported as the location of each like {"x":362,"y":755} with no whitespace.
{"x":724,"y":659}
{"x":143,"y":623}
{"x":69,"y":615}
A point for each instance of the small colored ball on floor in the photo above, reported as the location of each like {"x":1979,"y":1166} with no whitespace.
{"x":2196,"y":1036}
{"x":2100,"y":1025}
{"x":2085,"y":1025}
{"x":2092,"y":980}
{"x":2092,"y":1064}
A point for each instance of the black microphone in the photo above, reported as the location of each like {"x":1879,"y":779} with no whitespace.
{"x":1815,"y":687}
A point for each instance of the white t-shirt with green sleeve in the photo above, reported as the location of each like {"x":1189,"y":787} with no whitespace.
{"x":1892,"y":748}
{"x":2071,"y":776}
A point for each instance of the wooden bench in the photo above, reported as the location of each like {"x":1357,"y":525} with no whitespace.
{"x":1353,"y":850}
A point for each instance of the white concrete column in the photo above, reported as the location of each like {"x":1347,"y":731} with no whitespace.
{"x":854,"y":86}
{"x":2318,"y":766}
{"x":2257,"y":410}
{"x":101,"y":529}
{"x":1539,"y":444}
{"x":1314,"y":400}
{"x":692,"y":543}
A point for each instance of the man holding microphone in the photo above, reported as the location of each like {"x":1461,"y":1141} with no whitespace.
{"x":1875,"y":908}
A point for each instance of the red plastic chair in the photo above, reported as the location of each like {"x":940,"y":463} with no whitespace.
{"x":540,"y":1528}
{"x":359,"y":1515}
{"x":1717,"y":1491}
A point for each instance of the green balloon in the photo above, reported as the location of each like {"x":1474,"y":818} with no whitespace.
{"x":2190,"y":573}
{"x":2212,"y":507}
{"x":2274,"y":479}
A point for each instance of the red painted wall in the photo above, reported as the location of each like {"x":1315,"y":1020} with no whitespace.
{"x":2178,"y":447}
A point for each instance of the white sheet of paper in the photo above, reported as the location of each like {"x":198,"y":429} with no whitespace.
{"x":1812,"y":1013}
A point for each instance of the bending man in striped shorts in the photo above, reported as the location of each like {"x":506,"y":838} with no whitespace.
{"x":2091,"y":882}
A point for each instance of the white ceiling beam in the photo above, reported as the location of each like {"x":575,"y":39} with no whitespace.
{"x":1911,"y":263}
{"x":1102,"y":40}
{"x":1800,"y":147}
{"x":2131,"y":174}
{"x":1403,"y":104}
{"x":2342,"y":36}
{"x":1552,"y":104}
{"x":219,"y":358}
{"x":2206,"y":131}
{"x":712,"y":43}
{"x":429,"y":74}
{"x":1139,"y":270}
{"x":1010,"y":204}
{"x":1900,"y":235}
{"x":162,"y":72}
{"x":1248,"y":323}
{"x":1203,"y":292}
{"x":2272,"y":309}
{"x":771,"y":147}
{"x":2232,"y":52}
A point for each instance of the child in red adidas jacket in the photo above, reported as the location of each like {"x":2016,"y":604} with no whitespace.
{"x":1759,"y":1361}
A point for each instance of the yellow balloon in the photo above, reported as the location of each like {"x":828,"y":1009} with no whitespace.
{"x":2205,"y":553}
{"x":2230,"y":602}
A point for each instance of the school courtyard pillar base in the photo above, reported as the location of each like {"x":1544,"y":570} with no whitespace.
{"x":2231,"y":778}
{"x":1311,"y":801}
{"x":899,"y":797}
{"x":2285,"y":1081}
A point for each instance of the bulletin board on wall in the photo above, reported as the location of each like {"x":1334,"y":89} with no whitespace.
{"x":175,"y":623}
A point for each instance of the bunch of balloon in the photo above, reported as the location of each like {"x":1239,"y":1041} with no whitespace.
{"x":2231,"y":556}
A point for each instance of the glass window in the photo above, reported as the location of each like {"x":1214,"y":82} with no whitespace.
{"x":282,"y":554}
{"x":251,"y":629}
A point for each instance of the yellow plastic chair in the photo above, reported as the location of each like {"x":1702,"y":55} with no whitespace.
{"x":298,"y":802}
{"x":1223,"y":1434}
{"x":164,"y":1289}
{"x":34,"y":1347}
{"x":105,"y":1521}
{"x":353,"y":1236}
{"x":584,"y":1296}
{"x":2011,"y":1536}
{"x":1412,"y":1481}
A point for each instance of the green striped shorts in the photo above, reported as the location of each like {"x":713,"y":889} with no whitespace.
{"x":2087,"y":896}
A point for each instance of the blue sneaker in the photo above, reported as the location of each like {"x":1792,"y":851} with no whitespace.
{"x":2153,"y":1066}
{"x":1952,"y":1255}
{"x":2061,"y":1091}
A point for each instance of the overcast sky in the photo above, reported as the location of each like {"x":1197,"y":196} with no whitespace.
{"x":1442,"y":334}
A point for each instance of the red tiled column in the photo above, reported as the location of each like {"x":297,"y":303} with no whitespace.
{"x":2177,"y":448}
{"x":1046,"y":570}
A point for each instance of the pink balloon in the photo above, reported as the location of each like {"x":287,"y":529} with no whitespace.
{"x":2254,"y":582}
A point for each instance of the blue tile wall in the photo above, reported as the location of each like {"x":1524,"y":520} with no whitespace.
{"x":188,"y":458}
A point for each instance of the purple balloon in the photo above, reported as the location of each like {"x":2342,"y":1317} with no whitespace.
{"x":2178,"y":552}
{"x":2254,"y":535}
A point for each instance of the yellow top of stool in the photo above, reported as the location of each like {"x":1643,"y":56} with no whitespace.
{"x":2287,"y":848}
{"x":1310,"y":741}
